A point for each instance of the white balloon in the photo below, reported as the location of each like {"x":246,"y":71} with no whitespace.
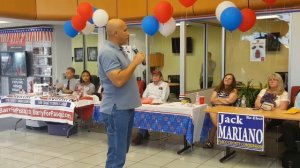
{"x":100,"y":17}
{"x":89,"y":28}
{"x":167,"y":28}
{"x":222,"y":6}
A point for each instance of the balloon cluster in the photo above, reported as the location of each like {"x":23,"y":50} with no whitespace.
{"x":162,"y":20}
{"x":232,"y":18}
{"x":85,"y":20}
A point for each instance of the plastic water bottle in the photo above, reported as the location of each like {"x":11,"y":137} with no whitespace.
{"x":197,"y":98}
{"x":243,"y":102}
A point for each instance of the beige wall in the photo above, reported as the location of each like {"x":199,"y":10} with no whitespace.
{"x":214,"y":43}
{"x":238,"y":54}
{"x":159,"y":43}
{"x":237,"y":60}
{"x":90,"y":41}
{"x":194,"y":60}
{"x":77,"y":43}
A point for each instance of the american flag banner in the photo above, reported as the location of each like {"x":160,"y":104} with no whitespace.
{"x":32,"y":34}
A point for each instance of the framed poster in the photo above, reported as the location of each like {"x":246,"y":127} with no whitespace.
{"x":78,"y":54}
{"x":92,"y":53}
{"x":258,"y":50}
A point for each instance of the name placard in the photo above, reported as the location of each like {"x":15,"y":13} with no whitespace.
{"x":241,"y":131}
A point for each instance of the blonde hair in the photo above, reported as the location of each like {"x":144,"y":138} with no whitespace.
{"x":280,"y":87}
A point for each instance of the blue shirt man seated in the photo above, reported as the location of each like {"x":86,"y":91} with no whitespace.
{"x":159,"y":92}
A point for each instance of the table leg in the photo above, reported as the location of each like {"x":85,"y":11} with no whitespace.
{"x":70,"y":129}
{"x":17,"y":123}
{"x":185,"y":147}
{"x":228,"y":154}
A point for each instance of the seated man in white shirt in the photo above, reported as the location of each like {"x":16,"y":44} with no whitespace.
{"x":159,"y":92}
{"x":70,"y":83}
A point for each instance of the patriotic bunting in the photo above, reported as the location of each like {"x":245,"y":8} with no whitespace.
{"x":28,"y":34}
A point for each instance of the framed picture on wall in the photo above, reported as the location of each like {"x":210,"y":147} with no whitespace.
{"x":78,"y":54}
{"x":92,"y":53}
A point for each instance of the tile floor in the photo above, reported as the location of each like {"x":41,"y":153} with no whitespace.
{"x":36,"y":149}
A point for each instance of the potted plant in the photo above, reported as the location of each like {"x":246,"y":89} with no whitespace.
{"x":249,"y":91}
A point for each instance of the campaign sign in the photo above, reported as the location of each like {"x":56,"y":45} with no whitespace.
{"x":241,"y":131}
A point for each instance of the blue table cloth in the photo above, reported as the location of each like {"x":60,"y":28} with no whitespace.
{"x":163,"y":121}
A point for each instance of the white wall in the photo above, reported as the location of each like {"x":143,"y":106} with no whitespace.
{"x":294,"y":61}
{"x":62,"y":54}
{"x":137,"y":39}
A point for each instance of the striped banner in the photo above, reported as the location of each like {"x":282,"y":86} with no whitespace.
{"x":34,"y":34}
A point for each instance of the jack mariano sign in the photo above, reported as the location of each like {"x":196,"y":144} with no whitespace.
{"x":241,"y":131}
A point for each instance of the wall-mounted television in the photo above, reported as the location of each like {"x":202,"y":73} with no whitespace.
{"x":272,"y":42}
{"x":176,"y":45}
{"x":14,"y":63}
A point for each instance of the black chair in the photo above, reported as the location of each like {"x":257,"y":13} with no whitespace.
{"x":174,"y":89}
{"x":174,"y":78}
{"x":96,"y":81}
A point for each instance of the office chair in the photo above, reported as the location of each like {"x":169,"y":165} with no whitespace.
{"x":294,"y":91}
{"x":85,"y":113}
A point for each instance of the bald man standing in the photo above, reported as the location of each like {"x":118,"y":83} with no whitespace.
{"x":120,"y":95}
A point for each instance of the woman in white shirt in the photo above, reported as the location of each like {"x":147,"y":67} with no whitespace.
{"x":274,"y":94}
{"x":276,"y":88}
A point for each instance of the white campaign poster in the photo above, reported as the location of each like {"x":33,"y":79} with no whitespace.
{"x":258,"y":50}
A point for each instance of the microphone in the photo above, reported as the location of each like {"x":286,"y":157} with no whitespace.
{"x":135,"y":50}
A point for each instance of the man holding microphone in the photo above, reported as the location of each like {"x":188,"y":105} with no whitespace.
{"x":120,"y":95}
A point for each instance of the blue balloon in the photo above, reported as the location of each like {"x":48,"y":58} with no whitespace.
{"x":150,"y":25}
{"x":231,"y":18}
{"x":69,"y":30}
{"x":91,"y":20}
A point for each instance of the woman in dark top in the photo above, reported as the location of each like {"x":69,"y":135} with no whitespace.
{"x":224,"y":94}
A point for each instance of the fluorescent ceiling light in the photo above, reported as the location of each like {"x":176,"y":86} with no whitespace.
{"x":1,"y":21}
{"x":268,"y":17}
{"x":178,"y":24}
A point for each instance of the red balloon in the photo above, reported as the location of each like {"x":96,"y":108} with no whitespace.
{"x":187,"y":3}
{"x":78,"y":22}
{"x":249,"y":19}
{"x":85,"y":10}
{"x":270,"y":2}
{"x":163,"y":11}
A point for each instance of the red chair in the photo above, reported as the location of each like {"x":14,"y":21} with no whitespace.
{"x":294,"y":91}
{"x":141,"y":87}
{"x":85,"y":113}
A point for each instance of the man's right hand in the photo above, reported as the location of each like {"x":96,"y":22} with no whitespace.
{"x":139,"y":58}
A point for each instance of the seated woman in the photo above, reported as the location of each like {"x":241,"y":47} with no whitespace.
{"x":274,"y":93}
{"x":86,"y":86}
{"x":224,"y":94}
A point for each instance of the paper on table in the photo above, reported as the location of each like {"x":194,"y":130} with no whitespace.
{"x":292,"y":110}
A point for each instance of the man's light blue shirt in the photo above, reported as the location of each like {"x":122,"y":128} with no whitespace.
{"x":111,"y":57}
